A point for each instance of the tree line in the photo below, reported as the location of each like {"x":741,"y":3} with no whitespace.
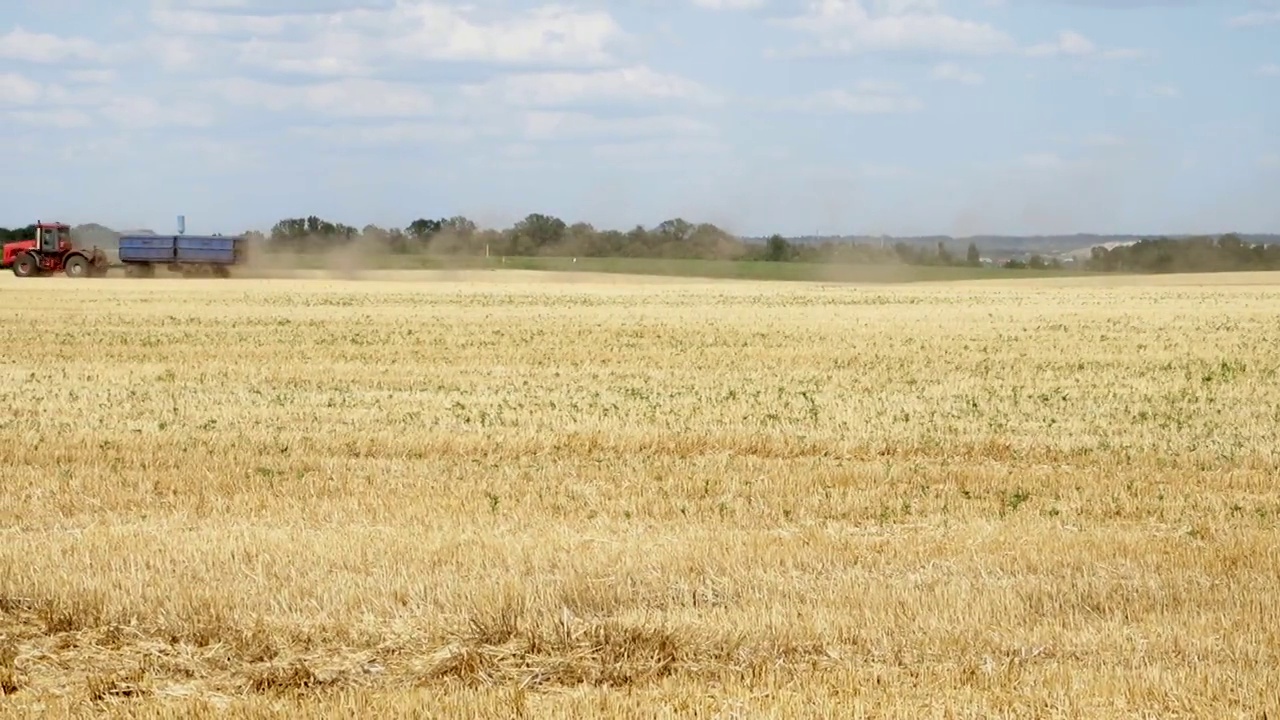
{"x":1196,"y":254}
{"x":8,"y":235}
{"x":546,"y":235}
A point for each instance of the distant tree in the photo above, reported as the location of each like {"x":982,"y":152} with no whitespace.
{"x":777,"y":249}
{"x":18,"y":234}
{"x":538,"y":232}
{"x":460,"y":225}
{"x":423,"y":229}
{"x":310,"y":233}
{"x":579,"y":239}
{"x":944,"y":255}
{"x":676,"y":230}
{"x":972,"y":257}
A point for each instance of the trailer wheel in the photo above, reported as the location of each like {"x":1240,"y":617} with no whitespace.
{"x":25,"y":265}
{"x":139,"y":270}
{"x":77,"y":266}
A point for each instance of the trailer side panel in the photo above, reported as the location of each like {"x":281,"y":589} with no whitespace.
{"x":214,"y":250}
{"x":146,"y":249}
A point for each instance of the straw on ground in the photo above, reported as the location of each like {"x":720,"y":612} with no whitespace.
{"x":317,"y":498}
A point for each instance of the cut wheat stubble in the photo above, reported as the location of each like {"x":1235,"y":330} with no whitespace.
{"x":637,"y":499}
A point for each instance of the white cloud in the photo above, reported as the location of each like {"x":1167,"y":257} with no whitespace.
{"x":331,"y":54}
{"x":621,"y":85}
{"x":639,"y":151}
{"x":954,"y":73}
{"x":355,"y":40}
{"x":522,"y":129}
{"x":180,"y":53}
{"x":490,"y":101}
{"x":18,"y":90}
{"x":1255,"y":19}
{"x":93,"y":77}
{"x":915,"y":26}
{"x":340,"y":98}
{"x":21,"y":44}
{"x":729,"y":4}
{"x":1269,"y":70}
{"x":540,"y":125}
{"x":900,"y":7}
{"x":518,"y":151}
{"x":867,"y":98}
{"x":1068,"y":42}
{"x":218,"y":4}
{"x":64,"y":118}
{"x":198,"y":22}
{"x":1270,"y":161}
{"x":846,"y":27}
{"x":1043,"y":161}
{"x":878,"y":171}
{"x":141,"y":112}
{"x":1102,"y":140}
{"x":1163,"y":90}
{"x":568,"y":54}
{"x":396,"y":133}
{"x":63,"y":108}
{"x":101,"y":148}
{"x":1125,"y":54}
{"x":545,"y":34}
{"x":237,"y":156}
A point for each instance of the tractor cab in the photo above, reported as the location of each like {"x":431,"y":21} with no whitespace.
{"x":53,"y":238}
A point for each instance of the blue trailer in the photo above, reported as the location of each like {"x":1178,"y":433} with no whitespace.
{"x":191,"y":255}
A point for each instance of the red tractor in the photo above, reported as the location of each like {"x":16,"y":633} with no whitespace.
{"x":51,"y":252}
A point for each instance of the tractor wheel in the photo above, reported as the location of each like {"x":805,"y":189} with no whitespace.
{"x":77,"y":266}
{"x":25,"y":265}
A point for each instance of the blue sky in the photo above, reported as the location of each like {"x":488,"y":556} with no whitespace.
{"x":795,"y":116}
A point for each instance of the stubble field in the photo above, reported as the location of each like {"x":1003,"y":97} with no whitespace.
{"x":500,"y":497}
